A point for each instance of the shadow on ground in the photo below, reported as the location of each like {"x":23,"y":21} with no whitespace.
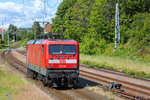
{"x":81,"y":84}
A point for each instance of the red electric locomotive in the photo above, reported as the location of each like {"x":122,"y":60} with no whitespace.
{"x":54,"y":62}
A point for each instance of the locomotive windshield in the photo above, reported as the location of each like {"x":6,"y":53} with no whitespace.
{"x":62,"y":49}
{"x":55,"y":49}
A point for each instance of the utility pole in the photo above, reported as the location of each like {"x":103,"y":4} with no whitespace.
{"x":44,"y":26}
{"x":2,"y":32}
{"x":8,"y":37}
{"x":107,"y":3}
{"x":35,"y":33}
{"x":13,"y":36}
{"x":43,"y":23}
{"x":23,"y":6}
{"x":16,"y":35}
{"x":117,"y":27}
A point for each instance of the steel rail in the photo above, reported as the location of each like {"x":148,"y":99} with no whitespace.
{"x":11,"y":61}
{"x":10,"y":58}
{"x":103,"y":69}
{"x":82,"y":94}
{"x":113,"y":79}
{"x":103,"y":80}
{"x":113,"y":72}
{"x":54,"y":90}
{"x":124,"y":82}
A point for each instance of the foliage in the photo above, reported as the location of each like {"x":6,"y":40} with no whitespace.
{"x":8,"y":84}
{"x":36,"y":28}
{"x":92,"y":23}
{"x":60,"y":15}
{"x":12,"y":31}
{"x":23,"y":34}
{"x":138,"y":69}
{"x":2,"y":43}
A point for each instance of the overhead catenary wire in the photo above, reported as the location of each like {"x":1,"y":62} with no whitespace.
{"x":52,"y":6}
{"x":23,"y":6}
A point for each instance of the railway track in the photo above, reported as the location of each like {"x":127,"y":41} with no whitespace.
{"x":7,"y":56}
{"x":88,"y":74}
{"x":112,"y":72}
{"x":126,"y":85}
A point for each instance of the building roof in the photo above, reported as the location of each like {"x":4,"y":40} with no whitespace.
{"x":48,"y":28}
{"x":1,"y":30}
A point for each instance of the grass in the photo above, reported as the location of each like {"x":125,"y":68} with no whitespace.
{"x":139,"y":69}
{"x":106,"y":94}
{"x":9,"y":84}
{"x":6,"y":46}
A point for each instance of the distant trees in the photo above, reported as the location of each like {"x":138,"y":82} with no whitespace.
{"x":58,"y":21}
{"x":36,"y":28}
{"x":12,"y":30}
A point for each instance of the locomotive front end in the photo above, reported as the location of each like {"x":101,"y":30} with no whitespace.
{"x":63,"y":63}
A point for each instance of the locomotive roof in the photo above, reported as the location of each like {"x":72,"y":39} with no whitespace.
{"x":43,"y":41}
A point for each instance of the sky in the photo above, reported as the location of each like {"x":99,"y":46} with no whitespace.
{"x":22,"y":13}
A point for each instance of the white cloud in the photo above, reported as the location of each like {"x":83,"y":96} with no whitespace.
{"x":22,"y":15}
{"x":10,"y":7}
{"x":38,"y":3}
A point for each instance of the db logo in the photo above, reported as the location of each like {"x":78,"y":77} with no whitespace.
{"x":62,"y":61}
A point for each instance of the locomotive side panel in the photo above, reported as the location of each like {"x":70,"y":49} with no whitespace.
{"x":35,"y":58}
{"x":43,"y":56}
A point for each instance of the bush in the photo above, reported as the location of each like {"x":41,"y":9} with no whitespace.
{"x":2,"y":44}
{"x":24,"y":43}
{"x":91,"y":46}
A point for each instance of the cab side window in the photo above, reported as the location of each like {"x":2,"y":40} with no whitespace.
{"x":42,"y":49}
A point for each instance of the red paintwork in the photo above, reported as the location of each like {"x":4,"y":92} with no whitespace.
{"x":35,"y":56}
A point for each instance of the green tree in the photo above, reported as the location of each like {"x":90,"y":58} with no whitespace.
{"x":36,"y":28}
{"x":92,"y":22}
{"x":59,"y":20}
{"x":12,"y":30}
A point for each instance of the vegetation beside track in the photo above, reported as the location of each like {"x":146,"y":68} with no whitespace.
{"x":9,"y":84}
{"x":108,"y":94}
{"x":139,"y":69}
{"x":14,"y":85}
